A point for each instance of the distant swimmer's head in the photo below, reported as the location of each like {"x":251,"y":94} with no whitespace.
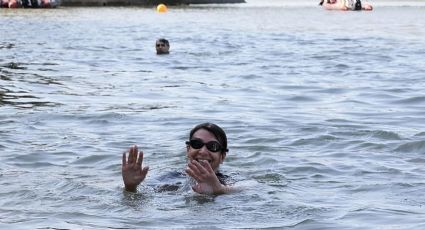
{"x":207,"y":143}
{"x":162,"y":46}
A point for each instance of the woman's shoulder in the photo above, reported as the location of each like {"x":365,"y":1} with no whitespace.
{"x":228,"y":179}
{"x":169,"y":181}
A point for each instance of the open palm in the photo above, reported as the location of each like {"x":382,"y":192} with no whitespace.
{"x":207,"y":181}
{"x":132,"y":172}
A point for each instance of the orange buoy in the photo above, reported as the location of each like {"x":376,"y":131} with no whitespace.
{"x":161,"y":8}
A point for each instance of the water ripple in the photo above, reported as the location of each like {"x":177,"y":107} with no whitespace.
{"x":412,"y":147}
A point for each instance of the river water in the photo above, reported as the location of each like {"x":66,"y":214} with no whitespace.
{"x":324,"y":112}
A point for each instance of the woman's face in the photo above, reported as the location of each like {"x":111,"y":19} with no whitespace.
{"x":214,"y":158}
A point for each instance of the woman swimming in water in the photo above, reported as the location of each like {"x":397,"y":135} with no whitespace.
{"x":206,"y":149}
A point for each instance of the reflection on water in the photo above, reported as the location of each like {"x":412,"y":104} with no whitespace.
{"x":12,"y":94}
{"x":21,"y":99}
{"x":18,"y":78}
{"x":4,"y":45}
{"x":13,"y":65}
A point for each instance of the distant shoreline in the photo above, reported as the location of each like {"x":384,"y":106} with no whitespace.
{"x":142,"y":2}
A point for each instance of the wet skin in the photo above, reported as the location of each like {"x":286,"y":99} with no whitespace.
{"x":202,"y":166}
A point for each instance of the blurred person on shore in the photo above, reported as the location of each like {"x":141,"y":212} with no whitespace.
{"x":28,"y":3}
{"x":346,"y":5}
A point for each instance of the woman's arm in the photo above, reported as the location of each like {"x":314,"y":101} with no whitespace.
{"x":132,"y":172}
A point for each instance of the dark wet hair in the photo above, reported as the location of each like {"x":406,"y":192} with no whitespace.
{"x":163,"y":40}
{"x":321,"y":2}
{"x":215,"y":130}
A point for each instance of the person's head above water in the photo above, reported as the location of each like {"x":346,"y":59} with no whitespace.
{"x":207,"y":142}
{"x":162,"y":46}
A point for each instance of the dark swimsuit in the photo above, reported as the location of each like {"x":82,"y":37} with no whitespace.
{"x":173,"y":181}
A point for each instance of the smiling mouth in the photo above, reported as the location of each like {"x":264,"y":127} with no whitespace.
{"x":203,"y":160}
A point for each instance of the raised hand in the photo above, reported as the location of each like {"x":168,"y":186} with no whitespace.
{"x":132,"y":172}
{"x":207,"y":181}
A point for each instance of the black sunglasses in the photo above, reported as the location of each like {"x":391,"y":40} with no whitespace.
{"x":212,"y":146}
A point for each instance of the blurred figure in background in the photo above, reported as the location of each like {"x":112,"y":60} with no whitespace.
{"x":162,"y":46}
{"x":345,"y":5}
{"x":28,"y":3}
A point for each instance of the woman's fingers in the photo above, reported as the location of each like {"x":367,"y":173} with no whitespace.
{"x":132,"y":154}
{"x":207,"y":167}
{"x":124,"y":160}
{"x":193,"y":167}
{"x":193,"y":172}
{"x":201,"y":172}
{"x":200,"y":166}
{"x":144,"y":172}
{"x":196,"y":188}
{"x":140,"y":159}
